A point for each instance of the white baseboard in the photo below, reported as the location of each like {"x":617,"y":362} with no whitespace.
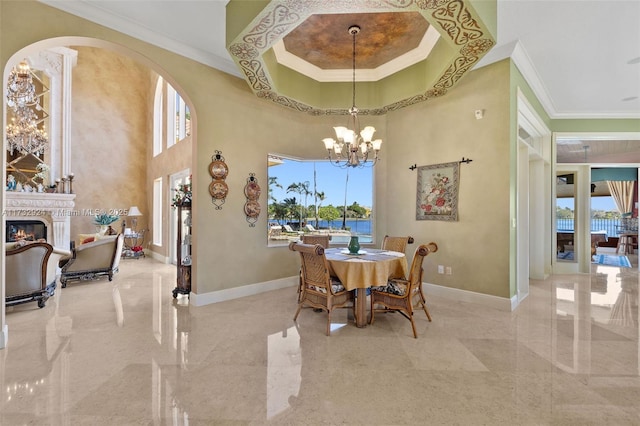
{"x":237,"y":292}
{"x":4,"y":336}
{"x":156,"y":256}
{"x":500,"y":303}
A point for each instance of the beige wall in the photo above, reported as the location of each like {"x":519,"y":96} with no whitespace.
{"x":110,"y":130}
{"x":443,"y":130}
{"x":228,"y":117}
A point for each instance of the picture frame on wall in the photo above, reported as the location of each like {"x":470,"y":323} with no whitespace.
{"x":437,"y":192}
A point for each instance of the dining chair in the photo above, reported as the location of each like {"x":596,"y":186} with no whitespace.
{"x":400,"y":294}
{"x":322,"y":239}
{"x":396,"y":243}
{"x":319,"y":289}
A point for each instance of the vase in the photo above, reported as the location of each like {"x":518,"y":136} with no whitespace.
{"x":354,"y":245}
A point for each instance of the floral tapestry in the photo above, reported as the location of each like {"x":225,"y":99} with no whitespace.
{"x":437,"y":196}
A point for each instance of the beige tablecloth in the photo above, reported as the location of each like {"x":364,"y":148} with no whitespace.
{"x":373,"y":268}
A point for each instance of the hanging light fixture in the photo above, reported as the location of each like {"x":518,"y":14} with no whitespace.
{"x":352,"y":147}
{"x":21,"y":91}
{"x":24,"y":133}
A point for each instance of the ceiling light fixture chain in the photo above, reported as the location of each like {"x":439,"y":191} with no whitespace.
{"x":358,"y":145}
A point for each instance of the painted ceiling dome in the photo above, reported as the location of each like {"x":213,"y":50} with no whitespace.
{"x":300,"y":53}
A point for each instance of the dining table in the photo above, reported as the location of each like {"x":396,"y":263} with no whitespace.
{"x":365,"y":269}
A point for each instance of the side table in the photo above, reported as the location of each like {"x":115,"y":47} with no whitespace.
{"x":131,"y":240}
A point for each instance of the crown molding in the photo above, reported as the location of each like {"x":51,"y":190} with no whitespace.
{"x":97,"y":15}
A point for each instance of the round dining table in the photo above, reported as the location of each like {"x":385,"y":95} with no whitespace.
{"x":368,"y":268}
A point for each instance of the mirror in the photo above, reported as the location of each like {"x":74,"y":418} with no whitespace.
{"x":28,"y":149}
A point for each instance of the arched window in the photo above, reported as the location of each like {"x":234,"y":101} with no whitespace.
{"x":168,"y":103}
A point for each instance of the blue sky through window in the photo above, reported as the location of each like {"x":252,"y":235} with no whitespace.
{"x":330,"y":179}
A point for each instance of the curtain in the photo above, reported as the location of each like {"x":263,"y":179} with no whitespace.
{"x":622,"y":193}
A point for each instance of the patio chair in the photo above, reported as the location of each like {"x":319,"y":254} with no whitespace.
{"x":290,"y":230}
{"x":398,"y":244}
{"x":400,"y":294}
{"x":319,"y":290}
{"x":310,"y":228}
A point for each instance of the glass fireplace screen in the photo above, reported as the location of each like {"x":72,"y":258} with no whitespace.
{"x":28,"y":230}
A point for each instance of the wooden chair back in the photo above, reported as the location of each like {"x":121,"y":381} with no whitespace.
{"x":416,"y":270}
{"x":322,"y":240}
{"x":398,"y":244}
{"x":313,"y":265}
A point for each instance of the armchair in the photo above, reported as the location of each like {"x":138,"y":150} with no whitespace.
{"x":31,"y":272}
{"x":92,"y":260}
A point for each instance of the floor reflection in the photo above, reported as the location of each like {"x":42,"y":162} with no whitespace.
{"x":127,"y":352}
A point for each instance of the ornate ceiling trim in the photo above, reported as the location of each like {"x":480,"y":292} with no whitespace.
{"x":457,"y":22}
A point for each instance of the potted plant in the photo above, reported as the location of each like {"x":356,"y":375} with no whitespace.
{"x":104,"y":221}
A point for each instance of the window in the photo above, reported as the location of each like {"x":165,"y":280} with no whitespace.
{"x":157,"y":118}
{"x":309,"y":195}
{"x":178,"y":117}
{"x":157,"y":212}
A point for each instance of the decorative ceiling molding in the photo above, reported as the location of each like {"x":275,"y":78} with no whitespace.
{"x":332,"y":75}
{"x":459,"y":25}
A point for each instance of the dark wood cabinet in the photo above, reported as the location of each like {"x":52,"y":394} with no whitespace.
{"x":183,"y":250}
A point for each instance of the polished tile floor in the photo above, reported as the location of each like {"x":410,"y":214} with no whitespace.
{"x":126,"y":353}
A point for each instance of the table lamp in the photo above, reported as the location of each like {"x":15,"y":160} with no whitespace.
{"x":134,"y":212}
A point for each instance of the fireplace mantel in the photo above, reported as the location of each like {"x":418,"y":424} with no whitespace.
{"x":55,"y":210}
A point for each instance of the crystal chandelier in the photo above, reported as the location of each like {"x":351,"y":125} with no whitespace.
{"x":352,"y":147}
{"x":20,"y":88}
{"x":24,"y":133}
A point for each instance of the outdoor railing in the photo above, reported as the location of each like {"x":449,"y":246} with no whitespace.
{"x":612,"y":226}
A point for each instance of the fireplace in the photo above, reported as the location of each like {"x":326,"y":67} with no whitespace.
{"x":28,"y":230}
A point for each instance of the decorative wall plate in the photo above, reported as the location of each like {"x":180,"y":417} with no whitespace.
{"x":218,"y":169}
{"x":252,"y":191}
{"x":252,"y":209}
{"x":218,"y":189}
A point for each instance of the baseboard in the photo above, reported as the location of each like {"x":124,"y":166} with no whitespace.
{"x":500,"y":303}
{"x":4,"y":336}
{"x":237,"y":292}
{"x":156,"y":256}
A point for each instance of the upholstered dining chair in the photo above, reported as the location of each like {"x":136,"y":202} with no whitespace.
{"x":396,"y":243}
{"x":400,"y":294}
{"x":319,"y":289}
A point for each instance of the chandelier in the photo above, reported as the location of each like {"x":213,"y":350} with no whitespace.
{"x":20,"y":88}
{"x":352,"y":147}
{"x":24,"y":133}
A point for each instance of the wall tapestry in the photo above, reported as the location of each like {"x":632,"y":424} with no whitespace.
{"x":437,"y":196}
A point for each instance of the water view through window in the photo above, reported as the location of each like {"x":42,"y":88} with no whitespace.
{"x":315,"y":196}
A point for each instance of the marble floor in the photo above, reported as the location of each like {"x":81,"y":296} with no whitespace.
{"x":126,"y":353}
